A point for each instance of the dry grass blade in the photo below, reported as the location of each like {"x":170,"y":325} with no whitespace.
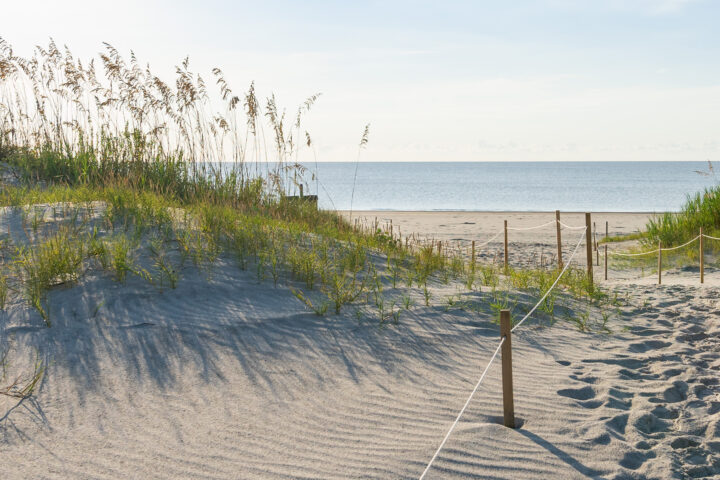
{"x":23,"y":387}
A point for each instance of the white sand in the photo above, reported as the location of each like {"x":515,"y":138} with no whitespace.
{"x":225,"y":377}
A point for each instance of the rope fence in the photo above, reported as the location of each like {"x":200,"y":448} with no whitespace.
{"x":570,"y":227}
{"x":506,"y":328}
{"x":489,"y":241}
{"x":524,"y":229}
{"x":660,"y":250}
{"x":506,"y":331}
{"x":467,"y":402}
{"x":458,"y":249}
{"x":666,"y":249}
{"x":582,"y":237}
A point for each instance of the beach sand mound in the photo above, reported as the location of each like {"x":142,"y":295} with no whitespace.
{"x":228,"y":377}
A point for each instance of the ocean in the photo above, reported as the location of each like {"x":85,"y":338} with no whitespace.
{"x":508,"y":186}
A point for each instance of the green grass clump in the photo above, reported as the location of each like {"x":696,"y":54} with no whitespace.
{"x":55,"y":260}
{"x":624,"y":238}
{"x":700,"y":210}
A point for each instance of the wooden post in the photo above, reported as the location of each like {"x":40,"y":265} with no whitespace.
{"x":595,"y":235}
{"x":507,"y":381}
{"x":301,"y":191}
{"x":472,"y":261}
{"x":588,"y":243}
{"x":559,"y":239}
{"x":506,"y":247}
{"x":606,"y":230}
{"x":606,"y":261}
{"x":597,"y":252}
{"x":702,"y":258}
{"x":659,"y":262}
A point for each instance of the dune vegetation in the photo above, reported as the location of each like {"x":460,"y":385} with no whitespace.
{"x":134,"y":177}
{"x":701,"y":210}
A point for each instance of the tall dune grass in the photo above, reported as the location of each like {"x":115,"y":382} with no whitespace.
{"x":116,"y":122}
{"x":118,"y":135}
{"x":700,"y":210}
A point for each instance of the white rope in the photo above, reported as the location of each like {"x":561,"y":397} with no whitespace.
{"x":493,"y":238}
{"x":656,"y":250}
{"x":634,"y":254}
{"x":570,"y":227}
{"x":463,"y":409}
{"x":497,"y":350}
{"x":711,"y":238}
{"x":554,"y":283}
{"x":532,"y":228}
{"x":681,"y":246}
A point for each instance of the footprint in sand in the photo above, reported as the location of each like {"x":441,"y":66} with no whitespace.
{"x":647,"y":345}
{"x":633,"y":460}
{"x":627,"y":374}
{"x":672,"y":372}
{"x":584,"y":393}
{"x":647,"y":332}
{"x":650,"y":425}
{"x":677,"y":393}
{"x":619,"y":400}
{"x":618,"y":423}
{"x":661,"y":411}
{"x":683,"y":442}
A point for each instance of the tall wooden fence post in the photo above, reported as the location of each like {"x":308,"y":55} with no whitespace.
{"x":507,"y":381}
{"x":589,"y":245}
{"x":659,"y":262}
{"x":506,"y":247}
{"x":597,"y":252}
{"x":606,"y":261}
{"x":559,"y":239}
{"x":472,"y":261}
{"x":606,"y":230}
{"x":594,"y":236}
{"x":702,"y":257}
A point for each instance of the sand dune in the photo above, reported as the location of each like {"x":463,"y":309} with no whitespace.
{"x":225,"y":377}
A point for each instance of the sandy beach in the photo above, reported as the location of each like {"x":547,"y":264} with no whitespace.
{"x":228,"y":377}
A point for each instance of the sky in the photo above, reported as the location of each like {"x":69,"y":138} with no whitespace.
{"x":544,"y":80}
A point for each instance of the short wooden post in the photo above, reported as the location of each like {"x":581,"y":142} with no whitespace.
{"x":597,"y":252}
{"x":506,"y":247}
{"x":594,"y":235}
{"x":507,"y":381}
{"x":559,"y":239}
{"x":588,"y":244}
{"x":659,"y":262}
{"x":606,"y":261}
{"x":472,"y":260}
{"x":702,"y":257}
{"x":301,"y":191}
{"x":606,"y":230}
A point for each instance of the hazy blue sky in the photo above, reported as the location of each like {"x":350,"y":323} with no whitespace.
{"x":450,"y":80}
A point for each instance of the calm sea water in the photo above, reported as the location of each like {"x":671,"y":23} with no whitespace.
{"x":501,"y":186}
